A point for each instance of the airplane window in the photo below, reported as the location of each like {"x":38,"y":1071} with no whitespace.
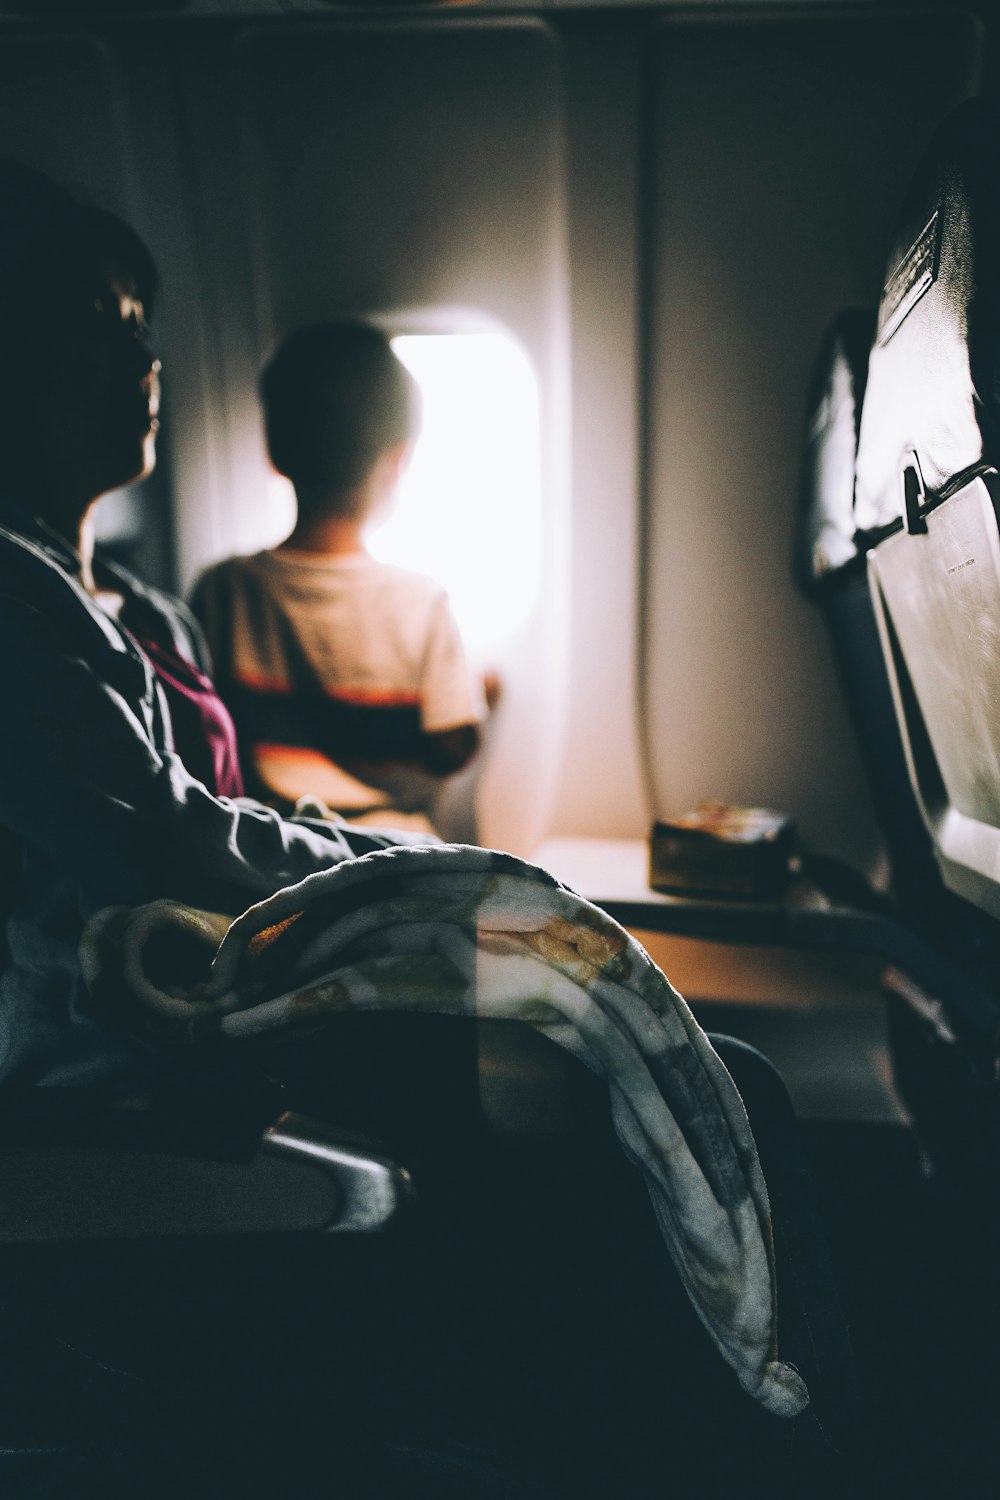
{"x":469,"y":509}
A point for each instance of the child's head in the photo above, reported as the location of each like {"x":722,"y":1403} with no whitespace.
{"x":336,"y":401}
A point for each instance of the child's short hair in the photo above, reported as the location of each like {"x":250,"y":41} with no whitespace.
{"x":335,"y":398}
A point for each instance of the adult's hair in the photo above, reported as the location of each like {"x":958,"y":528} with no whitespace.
{"x":335,"y":399}
{"x":55,"y":253}
{"x":53,"y":249}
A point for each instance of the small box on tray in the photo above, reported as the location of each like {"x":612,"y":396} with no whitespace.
{"x":719,"y":850}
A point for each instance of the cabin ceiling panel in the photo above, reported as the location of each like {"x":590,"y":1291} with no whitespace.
{"x":73,"y":12}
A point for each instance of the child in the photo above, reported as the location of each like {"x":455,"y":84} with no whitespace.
{"x":346,"y":676}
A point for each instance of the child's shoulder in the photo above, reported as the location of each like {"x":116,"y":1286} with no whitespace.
{"x":404,"y":590}
{"x":235,"y":566}
{"x":409,"y":580}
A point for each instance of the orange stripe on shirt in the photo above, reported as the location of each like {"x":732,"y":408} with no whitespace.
{"x":376,"y":697}
{"x":258,"y":683}
{"x":300,"y":753}
{"x":360,"y":697}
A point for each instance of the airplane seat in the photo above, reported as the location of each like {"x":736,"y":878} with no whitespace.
{"x":128,"y":1222}
{"x":141,"y":1355}
{"x":925,"y":494}
{"x":825,"y":541}
{"x":830,"y":569}
{"x":913,"y":600}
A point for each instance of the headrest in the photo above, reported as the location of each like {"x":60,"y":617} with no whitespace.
{"x":826,"y":526}
{"x":934,"y":373}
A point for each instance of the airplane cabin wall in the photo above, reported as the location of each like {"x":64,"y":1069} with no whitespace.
{"x":664,"y":213}
{"x":777,"y":154}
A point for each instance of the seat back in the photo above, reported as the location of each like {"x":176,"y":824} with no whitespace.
{"x":830,"y":567}
{"x":826,"y":545}
{"x":926,"y":495}
{"x":841,"y":537}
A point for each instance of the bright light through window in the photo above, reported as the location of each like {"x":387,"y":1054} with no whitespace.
{"x":469,"y":507}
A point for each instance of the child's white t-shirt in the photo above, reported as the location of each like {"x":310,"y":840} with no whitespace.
{"x":377,"y":641}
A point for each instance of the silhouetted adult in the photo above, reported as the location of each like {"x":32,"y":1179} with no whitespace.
{"x":118,"y":774}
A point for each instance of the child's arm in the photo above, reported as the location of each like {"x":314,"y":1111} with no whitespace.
{"x":441,"y":754}
{"x":453,"y":701}
{"x":451,"y":749}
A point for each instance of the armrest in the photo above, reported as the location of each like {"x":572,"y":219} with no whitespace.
{"x":808,"y":920}
{"x":302,"y":1178}
{"x":373,"y":1189}
{"x":826,"y":909}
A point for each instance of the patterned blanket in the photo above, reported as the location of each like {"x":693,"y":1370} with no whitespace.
{"x":470,"y":931}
